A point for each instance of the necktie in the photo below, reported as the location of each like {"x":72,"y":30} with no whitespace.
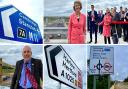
{"x":31,"y":78}
{"x":25,"y":81}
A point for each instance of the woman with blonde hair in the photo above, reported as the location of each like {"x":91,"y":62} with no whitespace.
{"x":76,"y":26}
{"x":107,"y":26}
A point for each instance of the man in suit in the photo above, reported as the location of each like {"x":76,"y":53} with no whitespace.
{"x":121,"y":13}
{"x":28,"y":72}
{"x":126,"y":25}
{"x":118,"y":27}
{"x":100,"y":18}
{"x":93,"y":23}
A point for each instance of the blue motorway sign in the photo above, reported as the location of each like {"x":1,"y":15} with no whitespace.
{"x":16,"y":26}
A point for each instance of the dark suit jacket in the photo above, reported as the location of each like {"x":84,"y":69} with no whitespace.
{"x":125,"y":17}
{"x":116,"y":17}
{"x":100,"y":18}
{"x":36,"y":70}
{"x":95,"y":14}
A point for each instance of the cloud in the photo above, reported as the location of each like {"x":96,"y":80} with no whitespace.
{"x":13,"y":53}
{"x":58,"y":8}
{"x":120,"y":62}
{"x":106,"y":4}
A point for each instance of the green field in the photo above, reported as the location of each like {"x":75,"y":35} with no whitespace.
{"x":7,"y":72}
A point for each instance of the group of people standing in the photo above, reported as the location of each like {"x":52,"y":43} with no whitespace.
{"x":106,"y":24}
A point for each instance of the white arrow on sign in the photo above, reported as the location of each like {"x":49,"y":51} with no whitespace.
{"x":6,"y":21}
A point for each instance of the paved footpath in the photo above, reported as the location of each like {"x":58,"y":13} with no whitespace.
{"x":100,"y":39}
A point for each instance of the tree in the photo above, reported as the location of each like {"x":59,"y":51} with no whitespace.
{"x":101,"y":82}
{"x":126,"y":79}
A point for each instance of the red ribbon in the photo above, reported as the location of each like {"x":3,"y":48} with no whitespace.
{"x":119,"y":22}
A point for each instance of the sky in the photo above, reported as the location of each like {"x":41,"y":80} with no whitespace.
{"x":103,"y":4}
{"x":120,"y":62}
{"x":31,"y":8}
{"x":12,"y":53}
{"x":60,"y":7}
{"x":78,"y":55}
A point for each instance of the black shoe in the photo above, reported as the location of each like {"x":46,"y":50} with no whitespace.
{"x":95,"y":42}
{"x":90,"y":42}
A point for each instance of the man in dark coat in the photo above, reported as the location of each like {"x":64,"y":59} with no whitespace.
{"x":93,"y":23}
{"x":28,"y":72}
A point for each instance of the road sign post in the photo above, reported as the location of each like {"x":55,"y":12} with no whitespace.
{"x":109,"y":82}
{"x":59,"y":85}
{"x":94,"y":82}
{"x":16,"y":26}
{"x":62,"y":68}
{"x":101,"y":62}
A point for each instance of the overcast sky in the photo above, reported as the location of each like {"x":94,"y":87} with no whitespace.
{"x":60,"y":7}
{"x":103,"y":4}
{"x":12,"y":53}
{"x":78,"y":54}
{"x":120,"y":62}
{"x":31,"y":8}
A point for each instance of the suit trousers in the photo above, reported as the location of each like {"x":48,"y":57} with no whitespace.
{"x":93,"y":28}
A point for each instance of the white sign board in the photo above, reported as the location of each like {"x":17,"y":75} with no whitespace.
{"x":101,"y":60}
{"x":62,"y":68}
